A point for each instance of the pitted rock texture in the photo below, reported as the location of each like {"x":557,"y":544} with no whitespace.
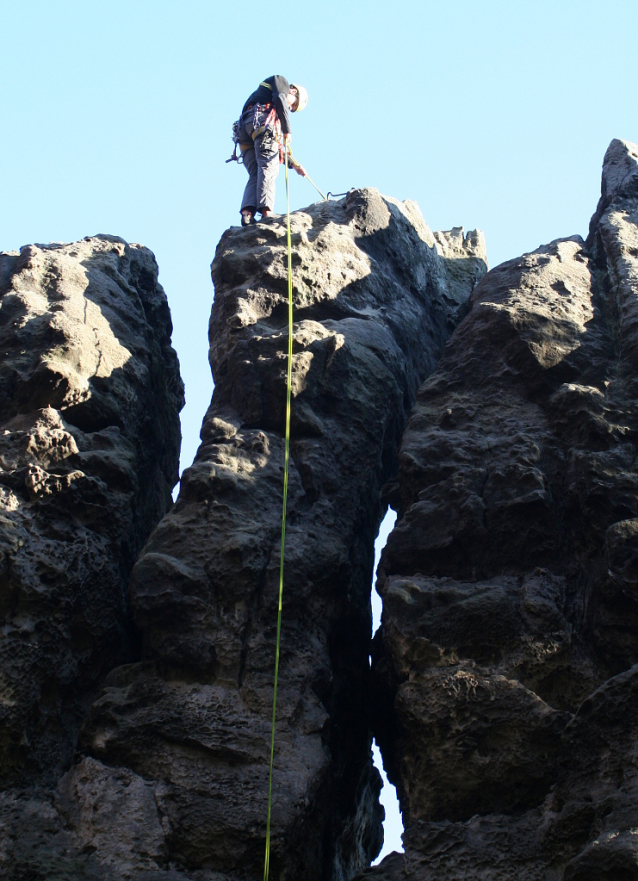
{"x":187,"y":730}
{"x":90,"y":395}
{"x":506,"y":667}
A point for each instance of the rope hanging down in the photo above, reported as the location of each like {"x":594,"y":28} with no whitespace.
{"x":307,"y":176}
{"x":288,"y":156}
{"x":283,"y":522}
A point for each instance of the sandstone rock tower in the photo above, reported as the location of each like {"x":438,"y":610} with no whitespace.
{"x":194,"y":715}
{"x":505,"y":667}
{"x":502,"y":686}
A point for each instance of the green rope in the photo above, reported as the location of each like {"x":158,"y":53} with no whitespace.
{"x":283,"y":524}
{"x":308,"y":178}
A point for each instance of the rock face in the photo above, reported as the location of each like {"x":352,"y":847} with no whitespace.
{"x":90,"y":395}
{"x":504,"y":681}
{"x":506,"y":669}
{"x":173,"y":782}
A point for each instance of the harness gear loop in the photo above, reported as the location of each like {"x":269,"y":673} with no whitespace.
{"x":235,"y":138}
{"x":234,"y":157}
{"x":283,"y":519}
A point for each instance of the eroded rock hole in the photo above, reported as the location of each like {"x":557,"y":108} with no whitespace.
{"x":393,"y":823}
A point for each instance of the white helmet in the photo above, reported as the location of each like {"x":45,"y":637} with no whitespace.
{"x":302,"y":98}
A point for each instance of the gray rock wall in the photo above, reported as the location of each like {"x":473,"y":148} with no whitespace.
{"x":504,"y":678}
{"x":90,"y":395}
{"x":187,"y":730}
{"x":504,"y":670}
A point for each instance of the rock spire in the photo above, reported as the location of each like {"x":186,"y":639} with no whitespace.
{"x":505,"y":666}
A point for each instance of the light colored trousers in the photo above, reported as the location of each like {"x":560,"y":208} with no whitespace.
{"x":261,"y":160}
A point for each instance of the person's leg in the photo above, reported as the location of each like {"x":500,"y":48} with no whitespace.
{"x":249,"y":202}
{"x":267,"y":158}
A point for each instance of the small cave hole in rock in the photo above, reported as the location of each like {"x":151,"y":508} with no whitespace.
{"x":393,"y":824}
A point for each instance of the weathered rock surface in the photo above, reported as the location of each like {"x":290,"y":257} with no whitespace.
{"x":173,"y":781}
{"x":505,"y":667}
{"x":90,"y":395}
{"x":504,"y":688}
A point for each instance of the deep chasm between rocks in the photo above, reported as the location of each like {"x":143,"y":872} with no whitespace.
{"x":495,"y":411}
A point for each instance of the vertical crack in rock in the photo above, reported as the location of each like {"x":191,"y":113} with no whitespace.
{"x":90,"y":395}
{"x":505,"y":668}
{"x":376,"y":296}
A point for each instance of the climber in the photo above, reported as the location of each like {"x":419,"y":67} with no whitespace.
{"x":263,"y":130}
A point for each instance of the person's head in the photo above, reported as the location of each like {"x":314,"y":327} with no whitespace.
{"x":297,"y":97}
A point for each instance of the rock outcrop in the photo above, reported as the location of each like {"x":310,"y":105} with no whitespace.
{"x":504,"y":682}
{"x":506,"y":667}
{"x":171,"y":782}
{"x":90,"y":395}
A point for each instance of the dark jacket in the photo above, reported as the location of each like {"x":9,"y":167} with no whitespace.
{"x":273,"y":90}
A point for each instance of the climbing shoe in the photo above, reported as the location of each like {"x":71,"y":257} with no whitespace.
{"x":247,"y":217}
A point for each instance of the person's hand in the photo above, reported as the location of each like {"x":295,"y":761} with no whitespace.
{"x":301,"y":170}
{"x":287,"y":138}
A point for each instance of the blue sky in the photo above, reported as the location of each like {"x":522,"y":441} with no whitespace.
{"x":116,"y":118}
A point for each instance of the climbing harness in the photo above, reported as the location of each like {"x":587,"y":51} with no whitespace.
{"x":260,"y":125}
{"x":283,"y":520}
{"x":238,"y":124}
{"x":270,"y":122}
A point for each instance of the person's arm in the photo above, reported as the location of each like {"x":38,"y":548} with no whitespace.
{"x":280,"y":89}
